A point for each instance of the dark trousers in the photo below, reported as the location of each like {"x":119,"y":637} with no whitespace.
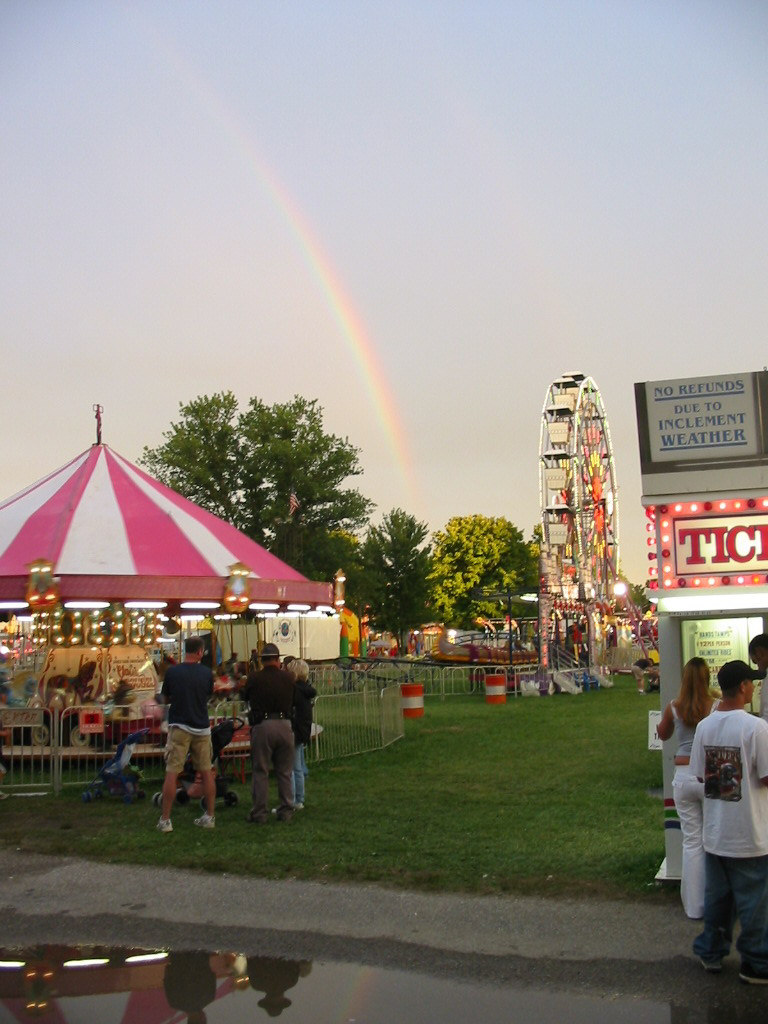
{"x":735,"y":887}
{"x":272,"y":745}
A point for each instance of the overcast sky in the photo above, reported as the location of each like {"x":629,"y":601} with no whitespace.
{"x":418,"y":213}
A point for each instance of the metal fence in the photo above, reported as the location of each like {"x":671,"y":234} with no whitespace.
{"x":355,"y":723}
{"x":50,"y":749}
{"x":438,"y":680}
{"x":357,"y":710}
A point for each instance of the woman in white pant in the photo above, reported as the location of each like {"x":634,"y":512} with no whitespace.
{"x":681,"y":716}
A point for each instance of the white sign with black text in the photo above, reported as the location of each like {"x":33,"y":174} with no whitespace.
{"x":702,"y":418}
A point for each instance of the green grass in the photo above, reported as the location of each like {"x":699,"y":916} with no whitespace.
{"x":544,"y":796}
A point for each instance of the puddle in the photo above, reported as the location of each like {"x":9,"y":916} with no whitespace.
{"x":94,"y":985}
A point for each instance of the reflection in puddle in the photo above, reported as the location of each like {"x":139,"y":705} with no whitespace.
{"x":66,"y":985}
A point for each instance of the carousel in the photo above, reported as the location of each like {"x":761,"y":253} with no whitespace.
{"x":101,"y":562}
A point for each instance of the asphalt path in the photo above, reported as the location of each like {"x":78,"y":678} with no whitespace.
{"x":614,"y":950}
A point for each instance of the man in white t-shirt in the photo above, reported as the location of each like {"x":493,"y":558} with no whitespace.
{"x":758,"y":652}
{"x":730,"y":756}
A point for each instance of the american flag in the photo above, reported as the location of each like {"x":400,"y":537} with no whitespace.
{"x":293,"y":504}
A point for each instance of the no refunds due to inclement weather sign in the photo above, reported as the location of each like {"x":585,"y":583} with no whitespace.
{"x":702,"y":418}
{"x":709,"y":432}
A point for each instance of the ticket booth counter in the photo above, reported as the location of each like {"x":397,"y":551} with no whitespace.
{"x":704,"y":465}
{"x":704,"y":625}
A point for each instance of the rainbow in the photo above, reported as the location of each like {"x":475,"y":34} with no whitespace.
{"x":353,"y":330}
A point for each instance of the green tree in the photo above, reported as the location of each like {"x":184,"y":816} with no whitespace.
{"x":638,"y":596}
{"x":245,"y":466}
{"x":479,"y":553}
{"x":202,"y":456}
{"x":396,"y":562}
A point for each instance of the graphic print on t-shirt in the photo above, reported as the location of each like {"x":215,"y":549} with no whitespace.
{"x":722,"y":773}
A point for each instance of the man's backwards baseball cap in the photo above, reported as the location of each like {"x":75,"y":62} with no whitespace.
{"x":270,"y":651}
{"x":733,"y":673}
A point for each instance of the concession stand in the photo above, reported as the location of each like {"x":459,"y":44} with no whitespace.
{"x":704,"y":465}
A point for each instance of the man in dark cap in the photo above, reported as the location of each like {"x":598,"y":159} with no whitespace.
{"x":269,"y":693}
{"x":730,"y":756}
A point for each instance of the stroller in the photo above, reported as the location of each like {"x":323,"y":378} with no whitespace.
{"x":191,"y":787}
{"x":117,"y":775}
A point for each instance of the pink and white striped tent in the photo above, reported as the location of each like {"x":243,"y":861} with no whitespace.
{"x":114,"y":533}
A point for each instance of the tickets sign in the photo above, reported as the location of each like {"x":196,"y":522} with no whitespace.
{"x":718,"y":544}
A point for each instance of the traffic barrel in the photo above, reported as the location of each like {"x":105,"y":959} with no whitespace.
{"x":412,"y":700}
{"x":495,"y":689}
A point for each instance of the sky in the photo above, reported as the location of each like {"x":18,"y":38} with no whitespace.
{"x":419,"y":214}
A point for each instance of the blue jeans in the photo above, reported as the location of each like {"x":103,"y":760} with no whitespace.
{"x":735,"y":887}
{"x":299,"y":771}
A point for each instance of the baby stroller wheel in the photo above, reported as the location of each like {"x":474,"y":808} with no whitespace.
{"x":86,"y":797}
{"x":230,"y":799}
{"x":202,"y":804}
{"x":182,"y":797}
{"x":156,"y":799}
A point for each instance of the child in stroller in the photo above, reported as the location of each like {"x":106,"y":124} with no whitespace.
{"x":191,"y":787}
{"x":117,"y":775}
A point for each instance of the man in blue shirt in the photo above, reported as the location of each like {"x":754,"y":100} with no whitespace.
{"x":187,"y":688}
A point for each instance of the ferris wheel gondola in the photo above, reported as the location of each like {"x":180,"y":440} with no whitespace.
{"x":579,"y":506}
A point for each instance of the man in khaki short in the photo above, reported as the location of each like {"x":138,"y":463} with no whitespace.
{"x":187,"y":688}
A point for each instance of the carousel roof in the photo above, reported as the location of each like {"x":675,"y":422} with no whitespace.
{"x":113,"y":532}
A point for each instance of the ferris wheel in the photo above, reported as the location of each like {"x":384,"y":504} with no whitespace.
{"x":579,"y":498}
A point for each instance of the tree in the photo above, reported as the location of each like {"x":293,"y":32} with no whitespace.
{"x":246,"y":466}
{"x":395,"y":566}
{"x":479,"y":553}
{"x":202,"y":457}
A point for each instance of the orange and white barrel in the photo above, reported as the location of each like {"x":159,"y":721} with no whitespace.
{"x":412,"y":700}
{"x":495,"y":689}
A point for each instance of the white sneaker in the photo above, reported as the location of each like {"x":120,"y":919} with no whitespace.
{"x":206,"y":821}
{"x":298,"y":807}
{"x":3,"y":796}
{"x":164,"y":825}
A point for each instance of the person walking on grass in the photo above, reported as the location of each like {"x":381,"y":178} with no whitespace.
{"x":303,"y":696}
{"x":680,"y":718}
{"x":187,"y":688}
{"x":730,"y":756}
{"x":269,"y":693}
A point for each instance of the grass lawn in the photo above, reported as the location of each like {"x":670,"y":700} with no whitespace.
{"x":540,"y":796}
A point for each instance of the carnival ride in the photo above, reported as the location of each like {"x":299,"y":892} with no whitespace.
{"x":579,"y":572}
{"x":579,"y":513}
{"x":102,"y":558}
{"x":478,"y":654}
{"x":579,"y":506}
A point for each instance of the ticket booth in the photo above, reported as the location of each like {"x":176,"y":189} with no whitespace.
{"x":704,"y":464}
